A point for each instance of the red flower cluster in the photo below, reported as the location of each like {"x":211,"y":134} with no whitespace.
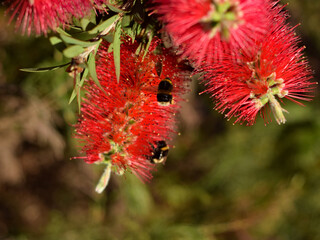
{"x":121,"y":123}
{"x":205,"y":29}
{"x":41,"y":15}
{"x":248,"y":57}
{"x":272,"y":69}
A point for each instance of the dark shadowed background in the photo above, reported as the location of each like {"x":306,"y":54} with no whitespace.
{"x":220,"y":182}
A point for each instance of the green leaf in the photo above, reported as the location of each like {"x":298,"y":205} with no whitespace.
{"x":126,"y":20}
{"x":93,"y":18}
{"x":57,"y":43}
{"x":105,"y":24}
{"x":73,"y":95}
{"x":45,"y":69}
{"x":128,"y":31}
{"x":73,"y":51}
{"x":137,"y":28}
{"x":78,"y":90}
{"x":139,"y":16}
{"x":74,"y":29}
{"x":108,"y":37}
{"x":88,"y":22}
{"x":138,"y":50}
{"x":110,"y":48}
{"x":61,"y":31}
{"x":150,"y":36}
{"x":115,"y":9}
{"x":71,"y":40}
{"x":92,"y":69}
{"x":84,"y":22}
{"x":83,"y":76}
{"x":55,"y":40}
{"x":116,"y":50}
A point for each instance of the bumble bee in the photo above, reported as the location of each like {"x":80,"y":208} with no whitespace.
{"x":164,"y":96}
{"x":160,"y":153}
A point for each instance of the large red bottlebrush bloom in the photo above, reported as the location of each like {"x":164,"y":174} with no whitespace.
{"x":271,"y":70}
{"x":41,"y":15}
{"x":121,"y":123}
{"x":205,"y":29}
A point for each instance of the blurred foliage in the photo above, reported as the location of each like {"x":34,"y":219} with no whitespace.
{"x":221,"y":181}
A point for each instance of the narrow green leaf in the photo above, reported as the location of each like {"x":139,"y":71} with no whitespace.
{"x":73,"y":51}
{"x":61,"y":31}
{"x":74,"y":29}
{"x":138,"y":16}
{"x":105,"y":24}
{"x":45,"y":69}
{"x":115,"y":9}
{"x":71,"y":40}
{"x":82,"y":78}
{"x":92,"y":68}
{"x":88,"y":22}
{"x":84,"y":22}
{"x":133,"y":36}
{"x":93,"y":18}
{"x":55,"y":40}
{"x":57,"y":43}
{"x":116,"y":50}
{"x":73,"y":95}
{"x":128,"y":31}
{"x":108,"y":37}
{"x":78,"y":96}
{"x":150,"y":36}
{"x":76,"y":92}
{"x":110,"y":48}
{"x":126,"y":20}
{"x":138,"y":50}
{"x":137,"y":27}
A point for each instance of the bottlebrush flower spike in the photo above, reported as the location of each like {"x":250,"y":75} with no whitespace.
{"x":205,"y":29}
{"x":269,"y":71}
{"x":41,"y":15}
{"x":122,"y":123}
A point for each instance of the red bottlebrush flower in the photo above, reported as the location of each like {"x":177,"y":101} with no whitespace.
{"x":121,"y":123}
{"x":41,"y":15}
{"x":206,"y":29}
{"x":269,"y":71}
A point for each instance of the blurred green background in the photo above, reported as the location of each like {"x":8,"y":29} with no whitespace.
{"x":220,"y":182}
